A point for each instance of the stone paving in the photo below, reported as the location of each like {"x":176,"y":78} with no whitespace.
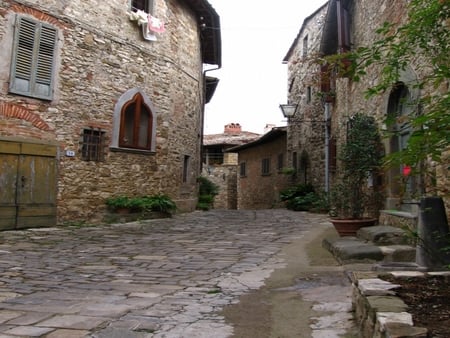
{"x":155,"y":278}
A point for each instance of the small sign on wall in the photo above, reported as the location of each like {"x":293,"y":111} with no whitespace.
{"x":70,"y":153}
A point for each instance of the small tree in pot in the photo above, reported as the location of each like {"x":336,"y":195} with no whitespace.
{"x":361,"y":156}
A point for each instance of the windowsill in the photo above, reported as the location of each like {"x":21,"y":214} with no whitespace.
{"x":131,"y":150}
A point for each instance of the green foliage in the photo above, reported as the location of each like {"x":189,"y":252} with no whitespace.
{"x":207,"y":191}
{"x":361,"y":157}
{"x":207,"y":187}
{"x":303,"y":197}
{"x":296,"y":191}
{"x":160,"y":202}
{"x":425,"y":38}
{"x":288,"y":171}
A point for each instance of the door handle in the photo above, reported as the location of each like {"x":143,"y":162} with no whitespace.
{"x":23,"y":179}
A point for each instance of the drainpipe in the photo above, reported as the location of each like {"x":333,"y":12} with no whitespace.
{"x":203,"y":115}
{"x":327,"y":147}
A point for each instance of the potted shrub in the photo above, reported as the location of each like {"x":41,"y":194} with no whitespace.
{"x":361,"y":156}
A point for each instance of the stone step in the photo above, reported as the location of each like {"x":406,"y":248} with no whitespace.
{"x":354,"y":250}
{"x":385,"y":235}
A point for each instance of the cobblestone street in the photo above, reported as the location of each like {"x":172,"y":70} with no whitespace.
{"x":155,"y":278}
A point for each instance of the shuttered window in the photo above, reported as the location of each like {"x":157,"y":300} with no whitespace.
{"x":33,"y":59}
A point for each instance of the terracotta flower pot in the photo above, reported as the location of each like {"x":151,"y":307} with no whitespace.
{"x":349,"y":227}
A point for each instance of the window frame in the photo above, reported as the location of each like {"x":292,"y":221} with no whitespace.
{"x":137,"y":122}
{"x":186,"y":169}
{"x":33,"y":58}
{"x":148,"y":6}
{"x":280,"y":162}
{"x":119,"y":107}
{"x":265,"y":166}
{"x":90,"y":150}
{"x":242,"y":169}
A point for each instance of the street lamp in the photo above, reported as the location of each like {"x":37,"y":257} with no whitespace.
{"x":288,"y":110}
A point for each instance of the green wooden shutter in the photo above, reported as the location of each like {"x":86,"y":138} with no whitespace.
{"x":34,"y":53}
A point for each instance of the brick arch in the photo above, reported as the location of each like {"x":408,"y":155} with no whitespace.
{"x":19,"y":112}
{"x":39,"y":15}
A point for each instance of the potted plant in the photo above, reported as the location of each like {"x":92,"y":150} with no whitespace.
{"x":352,"y":197}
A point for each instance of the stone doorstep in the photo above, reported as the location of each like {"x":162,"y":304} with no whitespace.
{"x":384,"y":235}
{"x":379,"y":313}
{"x":373,"y":244}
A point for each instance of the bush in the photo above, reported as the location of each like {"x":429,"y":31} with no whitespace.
{"x":296,"y":191}
{"x":160,"y":202}
{"x":207,"y":191}
{"x":303,"y":198}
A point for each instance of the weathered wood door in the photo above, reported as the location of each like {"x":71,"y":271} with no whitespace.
{"x":27,"y":185}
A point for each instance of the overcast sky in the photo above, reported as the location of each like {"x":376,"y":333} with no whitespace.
{"x":253,"y":80}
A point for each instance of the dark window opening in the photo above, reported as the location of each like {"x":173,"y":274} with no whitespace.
{"x":294,"y":162}
{"x":308,"y":95}
{"x":242,"y":169}
{"x":305,"y":46}
{"x":186,"y":165}
{"x":93,"y":145}
{"x":265,"y":166}
{"x":143,"y":5}
{"x":280,"y":162}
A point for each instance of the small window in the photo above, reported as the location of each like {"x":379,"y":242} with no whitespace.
{"x":280,"y":162}
{"x":294,"y":162}
{"x":186,"y":166}
{"x":265,"y":166}
{"x":242,"y":169}
{"x":33,"y":60}
{"x":143,"y":5}
{"x":305,"y":46}
{"x":136,"y":124}
{"x":93,"y":145}
{"x":308,"y":94}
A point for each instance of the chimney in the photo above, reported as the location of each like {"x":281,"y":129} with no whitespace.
{"x":233,"y":128}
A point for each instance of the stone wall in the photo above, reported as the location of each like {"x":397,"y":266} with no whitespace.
{"x":367,"y":16}
{"x":306,"y":130}
{"x":100,"y":56}
{"x":225,"y":177}
{"x":258,"y":191}
{"x":349,"y":97}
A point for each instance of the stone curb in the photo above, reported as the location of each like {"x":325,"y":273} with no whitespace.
{"x":379,"y":313}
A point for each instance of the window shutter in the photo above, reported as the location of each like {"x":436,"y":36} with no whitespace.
{"x":45,"y":57}
{"x":32,"y":65}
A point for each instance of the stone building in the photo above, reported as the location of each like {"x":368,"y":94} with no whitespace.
{"x":261,"y":167}
{"x":99,"y":99}
{"x":309,"y":148}
{"x":340,"y":26}
{"x":220,"y":166}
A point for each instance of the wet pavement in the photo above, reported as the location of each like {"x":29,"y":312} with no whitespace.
{"x":155,"y":278}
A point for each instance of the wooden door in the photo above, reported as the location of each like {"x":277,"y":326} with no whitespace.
{"x":28,"y":185}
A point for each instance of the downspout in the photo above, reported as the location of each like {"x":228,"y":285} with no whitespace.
{"x":203,"y":115}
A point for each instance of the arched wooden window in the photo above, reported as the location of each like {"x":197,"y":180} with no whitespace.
{"x":135,"y":124}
